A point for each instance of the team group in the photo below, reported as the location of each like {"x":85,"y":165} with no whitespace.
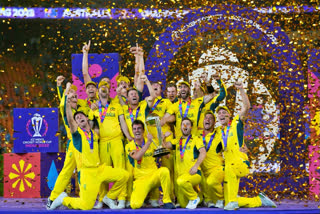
{"x":109,"y":142}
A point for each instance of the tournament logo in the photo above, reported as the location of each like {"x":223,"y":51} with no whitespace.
{"x":39,"y":126}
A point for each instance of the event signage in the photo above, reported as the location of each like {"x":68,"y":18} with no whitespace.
{"x":35,"y":130}
{"x":124,"y":13}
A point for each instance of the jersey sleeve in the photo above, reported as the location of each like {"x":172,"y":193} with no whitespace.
{"x":198,"y":143}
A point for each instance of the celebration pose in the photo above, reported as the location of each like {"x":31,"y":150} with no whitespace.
{"x":234,"y":153}
{"x":146,"y":174}
{"x":92,"y":173}
{"x":189,"y":154}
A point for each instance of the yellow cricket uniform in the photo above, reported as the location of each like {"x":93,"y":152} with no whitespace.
{"x":87,"y":102}
{"x":212,"y":168}
{"x":186,"y":182}
{"x":192,"y":114}
{"x":160,"y":107}
{"x":92,"y":174}
{"x":111,"y":144}
{"x":236,"y":163}
{"x":69,"y":163}
{"x":213,"y":104}
{"x":147,"y":176}
{"x":138,"y":113}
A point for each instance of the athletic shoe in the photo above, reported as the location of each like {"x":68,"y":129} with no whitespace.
{"x":178,"y":205}
{"x":128,"y":204}
{"x":193,"y":203}
{"x":219,"y":204}
{"x":122,"y":204}
{"x":210,"y":204}
{"x":154,"y":203}
{"x":266,"y":202}
{"x":168,"y":206}
{"x":58,"y":201}
{"x":233,"y":205}
{"x":49,"y":202}
{"x":98,"y":206}
{"x":110,"y":203}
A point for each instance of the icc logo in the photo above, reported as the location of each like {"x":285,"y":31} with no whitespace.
{"x":37,"y":122}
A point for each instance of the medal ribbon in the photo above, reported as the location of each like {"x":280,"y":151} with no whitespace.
{"x":184,"y":148}
{"x":137,"y":147}
{"x":210,"y":141}
{"x":225,"y":136}
{"x":89,"y":102}
{"x":187,"y":108}
{"x":154,"y":106}
{"x":102,"y":114}
{"x":88,"y":138}
{"x":131,"y":115}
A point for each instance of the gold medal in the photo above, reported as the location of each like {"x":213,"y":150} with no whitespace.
{"x":181,"y":159}
{"x":91,"y":150}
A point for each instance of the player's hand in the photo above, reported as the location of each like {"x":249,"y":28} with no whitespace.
{"x":162,"y":122}
{"x":68,"y":86}
{"x":216,"y":76}
{"x":204,"y":77}
{"x":244,"y":148}
{"x":94,"y":106}
{"x":144,"y":78}
{"x":149,"y":137}
{"x":167,"y":134}
{"x":137,"y":51}
{"x":60,"y":79}
{"x":193,"y":170}
{"x":86,"y":47}
{"x":238,"y":85}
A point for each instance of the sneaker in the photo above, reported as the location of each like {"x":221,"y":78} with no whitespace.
{"x":128,"y":204}
{"x":110,"y":203}
{"x":233,"y":205}
{"x":178,"y":205}
{"x":210,"y":204}
{"x":219,"y":204}
{"x":49,"y":202}
{"x":168,"y":206}
{"x":193,"y":203}
{"x":265,"y":201}
{"x":122,"y":204}
{"x":154,"y":203}
{"x":58,"y":201}
{"x":98,"y":206}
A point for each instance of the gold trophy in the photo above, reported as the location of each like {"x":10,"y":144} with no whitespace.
{"x":153,"y":120}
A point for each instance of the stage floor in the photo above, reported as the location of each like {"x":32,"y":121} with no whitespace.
{"x":37,"y":205}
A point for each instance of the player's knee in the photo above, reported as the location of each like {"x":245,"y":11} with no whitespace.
{"x":87,"y":205}
{"x":164,"y":172}
{"x":181,"y":182}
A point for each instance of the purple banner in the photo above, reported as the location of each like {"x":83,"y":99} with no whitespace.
{"x":100,"y":65}
{"x":35,"y":130}
{"x":124,"y":13}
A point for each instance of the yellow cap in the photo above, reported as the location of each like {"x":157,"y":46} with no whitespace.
{"x":223,"y":107}
{"x":91,"y":83}
{"x":73,"y":87}
{"x":122,"y":78}
{"x":184,"y":82}
{"x":102,"y":83}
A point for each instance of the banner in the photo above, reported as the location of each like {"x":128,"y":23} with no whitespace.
{"x":35,"y":130}
{"x":100,"y":65}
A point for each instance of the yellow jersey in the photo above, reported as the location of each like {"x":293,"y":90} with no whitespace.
{"x":138,"y":113}
{"x":147,"y":165}
{"x":188,"y":109}
{"x":213,"y":158}
{"x":86,"y":148}
{"x":108,"y":120}
{"x":190,"y":152}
